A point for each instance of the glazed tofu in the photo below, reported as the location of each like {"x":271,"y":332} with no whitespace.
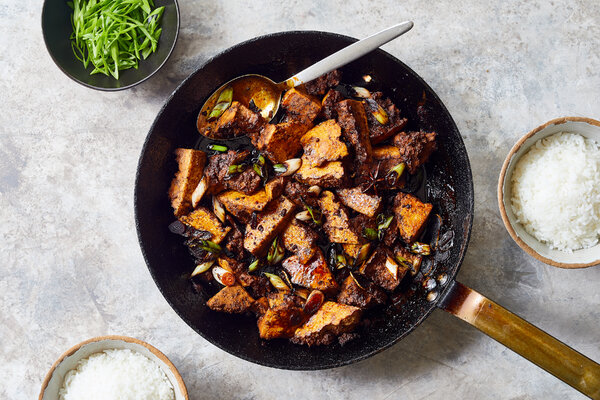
{"x":202,"y":219}
{"x":282,"y":318}
{"x":237,"y":120}
{"x":363,"y":203}
{"x":412,"y":215}
{"x":331,"y":320}
{"x":219,"y":179}
{"x":312,"y":275}
{"x":328,"y":104}
{"x":300,"y":240}
{"x":352,"y":249}
{"x":415,"y":147}
{"x":322,"y":143}
{"x":319,"y":86}
{"x":300,"y":106}
{"x":413,"y":261}
{"x":242,"y":206}
{"x":365,"y":296}
{"x":337,"y":223}
{"x":331,"y":174}
{"x":353,"y":120}
{"x":394,"y":122}
{"x":270,"y":222}
{"x":191,"y":167}
{"x":282,"y":141}
{"x":382,"y":269}
{"x":231,"y":299}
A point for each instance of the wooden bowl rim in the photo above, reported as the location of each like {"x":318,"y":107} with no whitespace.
{"x":128,"y":339}
{"x":506,"y":220}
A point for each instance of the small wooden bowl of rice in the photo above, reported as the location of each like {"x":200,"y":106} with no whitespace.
{"x":549,"y":192}
{"x":110,"y":367}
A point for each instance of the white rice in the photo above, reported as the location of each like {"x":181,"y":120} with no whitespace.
{"x":556,"y":191}
{"x":116,"y":374}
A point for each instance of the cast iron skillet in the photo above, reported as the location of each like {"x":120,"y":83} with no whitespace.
{"x":449,"y":187}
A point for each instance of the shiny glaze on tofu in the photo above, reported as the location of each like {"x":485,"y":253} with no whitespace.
{"x":331,"y":320}
{"x":269,"y":223}
{"x":353,"y":120}
{"x":231,"y":299}
{"x":322,"y":143}
{"x":219,"y":179}
{"x":202,"y":219}
{"x":412,"y":215}
{"x":337,"y":222}
{"x":237,"y":120}
{"x":312,"y":275}
{"x":191,"y":167}
{"x":242,"y":206}
{"x":363,"y":203}
{"x":282,"y":318}
{"x":300,"y":240}
{"x":300,"y":106}
{"x":281,"y":142}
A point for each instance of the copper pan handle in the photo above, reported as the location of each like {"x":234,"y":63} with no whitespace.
{"x":523,"y":338}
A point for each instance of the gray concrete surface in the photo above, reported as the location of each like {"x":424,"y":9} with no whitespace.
{"x":71,"y":268}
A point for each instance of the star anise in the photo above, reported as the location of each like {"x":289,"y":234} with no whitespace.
{"x":373,"y":179}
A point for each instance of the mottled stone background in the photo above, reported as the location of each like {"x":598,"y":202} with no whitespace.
{"x":70,"y":263}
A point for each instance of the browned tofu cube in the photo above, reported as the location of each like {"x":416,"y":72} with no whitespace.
{"x":219,"y":179}
{"x":337,"y":224}
{"x":328,"y":103}
{"x":415,"y":147}
{"x":282,"y":318}
{"x":270,"y":222}
{"x":363,"y":203}
{"x":300,"y":106}
{"x":410,"y":261}
{"x":383,"y":269}
{"x":322,"y":143}
{"x":365,"y":296}
{"x":331,"y":320}
{"x":353,"y":120}
{"x":313,"y":275}
{"x":231,"y":299}
{"x":330,"y":174}
{"x":282,"y":141}
{"x":394,"y":122}
{"x":300,"y":240}
{"x":237,"y":120}
{"x":204,"y":220}
{"x":242,"y":206}
{"x":319,"y":86}
{"x":191,"y":167}
{"x":385,"y":158}
{"x":412,"y":215}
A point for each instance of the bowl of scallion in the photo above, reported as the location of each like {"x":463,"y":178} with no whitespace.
{"x":110,"y":44}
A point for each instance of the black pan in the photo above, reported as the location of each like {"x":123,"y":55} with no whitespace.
{"x":449,"y":187}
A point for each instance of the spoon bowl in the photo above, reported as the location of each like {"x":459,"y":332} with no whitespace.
{"x":263,"y":95}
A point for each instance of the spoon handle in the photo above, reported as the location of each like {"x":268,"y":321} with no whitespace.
{"x":348,"y":54}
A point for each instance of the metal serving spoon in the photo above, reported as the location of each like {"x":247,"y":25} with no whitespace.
{"x":266,"y":94}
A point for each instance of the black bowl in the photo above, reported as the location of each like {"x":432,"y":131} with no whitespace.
{"x":279,"y":56}
{"x":56,"y":28}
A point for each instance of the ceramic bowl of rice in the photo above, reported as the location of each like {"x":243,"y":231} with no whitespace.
{"x":111,"y":368}
{"x":549,"y":192}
